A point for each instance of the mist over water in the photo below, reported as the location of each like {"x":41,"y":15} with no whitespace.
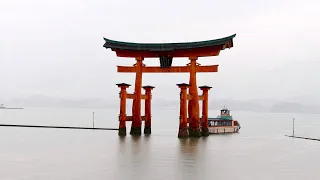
{"x":259,"y":151}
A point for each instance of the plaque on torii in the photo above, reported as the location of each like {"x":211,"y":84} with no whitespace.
{"x":198,"y":126}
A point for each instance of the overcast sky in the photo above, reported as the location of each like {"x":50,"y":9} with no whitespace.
{"x":54,"y":47}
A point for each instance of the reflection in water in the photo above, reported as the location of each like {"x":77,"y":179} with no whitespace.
{"x":138,"y":156}
{"x":134,"y":156}
{"x":122,"y":139}
{"x":122,"y":143}
{"x":188,"y":145}
{"x":135,"y":144}
{"x":191,"y":157}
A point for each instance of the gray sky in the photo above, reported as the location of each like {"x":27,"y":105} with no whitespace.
{"x":54,"y":47}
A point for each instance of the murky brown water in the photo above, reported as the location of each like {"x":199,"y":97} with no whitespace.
{"x":259,"y":151}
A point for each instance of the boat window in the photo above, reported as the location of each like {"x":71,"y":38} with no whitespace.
{"x":224,"y":111}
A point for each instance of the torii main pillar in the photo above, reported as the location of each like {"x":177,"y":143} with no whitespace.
{"x":136,"y":105}
{"x":193,"y":105}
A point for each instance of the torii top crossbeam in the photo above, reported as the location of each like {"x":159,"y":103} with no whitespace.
{"x":154,"y":50}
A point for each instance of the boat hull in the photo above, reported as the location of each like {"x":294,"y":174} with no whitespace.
{"x":223,"y":130}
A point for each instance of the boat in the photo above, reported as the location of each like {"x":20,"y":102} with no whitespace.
{"x":223,"y":123}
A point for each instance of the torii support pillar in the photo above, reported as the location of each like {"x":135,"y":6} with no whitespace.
{"x":123,"y":117}
{"x":204,"y":119}
{"x":147,"y":110}
{"x":183,"y":126}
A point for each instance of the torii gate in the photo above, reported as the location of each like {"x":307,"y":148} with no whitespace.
{"x":166,"y":52}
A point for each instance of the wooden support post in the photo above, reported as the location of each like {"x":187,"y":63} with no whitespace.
{"x":147,"y":111}
{"x":193,"y":105}
{"x":136,"y":105}
{"x":204,"y":119}
{"x":183,"y":126}
{"x":122,"y":115}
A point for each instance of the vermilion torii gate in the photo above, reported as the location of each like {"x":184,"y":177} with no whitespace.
{"x":166,"y":52}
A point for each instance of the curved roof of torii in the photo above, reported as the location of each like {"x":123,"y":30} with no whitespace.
{"x":222,"y":43}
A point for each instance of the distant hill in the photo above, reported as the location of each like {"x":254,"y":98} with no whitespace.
{"x":216,"y":104}
{"x":42,"y":101}
{"x":287,"y":107}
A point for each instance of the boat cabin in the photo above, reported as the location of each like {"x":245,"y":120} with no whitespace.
{"x":224,"y":119}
